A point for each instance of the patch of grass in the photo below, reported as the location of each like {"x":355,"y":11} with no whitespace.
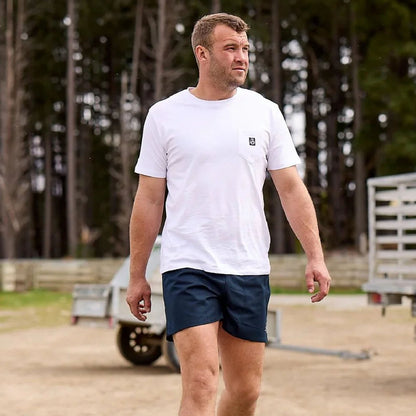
{"x":33,"y":298}
{"x":34,"y":308}
{"x":298,"y":291}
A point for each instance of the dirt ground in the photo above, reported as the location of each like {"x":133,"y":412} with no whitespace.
{"x":78,"y":371}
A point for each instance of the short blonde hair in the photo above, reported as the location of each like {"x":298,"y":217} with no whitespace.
{"x":201,"y":35}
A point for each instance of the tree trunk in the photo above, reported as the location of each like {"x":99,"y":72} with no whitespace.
{"x":360,"y":207}
{"x":128,"y":141}
{"x":2,"y":123}
{"x":278,"y":226}
{"x":71,"y":194}
{"x":125,"y":176}
{"x":10,"y":223}
{"x":23,"y":199}
{"x":84,"y":189}
{"x":47,"y":208}
{"x":335,"y":162}
{"x":138,"y":29}
{"x":2,"y":74}
{"x":160,"y":50}
{"x":14,"y":186}
{"x":311,"y":131}
{"x":216,"y":6}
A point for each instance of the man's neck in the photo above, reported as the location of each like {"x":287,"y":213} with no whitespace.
{"x":211,"y":94}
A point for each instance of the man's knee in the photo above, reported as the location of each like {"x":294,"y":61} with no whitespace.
{"x":244,"y":392}
{"x":201,"y":384}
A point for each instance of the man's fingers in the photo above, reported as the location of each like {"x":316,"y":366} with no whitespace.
{"x":139,"y":311}
{"x":322,"y":279}
{"x":324,"y":285}
{"x":147,"y":303}
{"x":317,"y":297}
{"x":138,"y":298}
{"x":310,"y":283}
{"x":135,"y":310}
{"x":140,"y":308}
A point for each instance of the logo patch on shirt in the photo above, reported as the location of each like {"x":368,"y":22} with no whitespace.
{"x":252,"y":141}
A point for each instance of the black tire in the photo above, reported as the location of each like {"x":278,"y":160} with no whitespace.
{"x":137,"y":345}
{"x":171,"y":356}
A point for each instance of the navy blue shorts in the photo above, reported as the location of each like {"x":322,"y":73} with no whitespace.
{"x":195,"y":297}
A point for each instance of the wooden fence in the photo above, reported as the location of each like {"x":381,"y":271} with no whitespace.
{"x":348,"y":270}
{"x":20,"y":275}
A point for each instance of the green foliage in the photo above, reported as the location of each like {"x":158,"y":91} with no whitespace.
{"x":387,"y":72}
{"x":321,"y":30}
{"x":398,"y":155}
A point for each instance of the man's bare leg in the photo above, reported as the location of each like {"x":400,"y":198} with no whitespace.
{"x":197,"y":349}
{"x":242,"y":367}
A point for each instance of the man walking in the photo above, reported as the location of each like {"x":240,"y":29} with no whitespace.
{"x":211,"y":147}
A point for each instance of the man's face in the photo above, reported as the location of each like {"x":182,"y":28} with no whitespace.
{"x":228,"y":54}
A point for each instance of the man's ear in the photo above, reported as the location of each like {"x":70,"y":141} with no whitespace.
{"x":201,"y":53}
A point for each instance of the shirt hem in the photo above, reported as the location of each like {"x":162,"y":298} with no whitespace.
{"x":218,"y":270}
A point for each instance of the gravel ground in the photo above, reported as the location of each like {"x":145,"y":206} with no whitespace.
{"x":78,"y":371}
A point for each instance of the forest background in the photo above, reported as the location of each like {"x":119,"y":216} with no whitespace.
{"x":77,"y":78}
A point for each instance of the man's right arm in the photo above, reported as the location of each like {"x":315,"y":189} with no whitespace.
{"x":145,"y":223}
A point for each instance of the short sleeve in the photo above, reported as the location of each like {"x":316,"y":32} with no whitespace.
{"x":282,"y":151}
{"x":152,"y":160}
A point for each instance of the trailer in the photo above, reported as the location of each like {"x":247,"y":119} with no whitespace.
{"x":392,"y":241}
{"x":104,"y":305}
{"x":140,"y":343}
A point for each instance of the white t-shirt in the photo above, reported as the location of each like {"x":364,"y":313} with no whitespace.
{"x":214,"y":156}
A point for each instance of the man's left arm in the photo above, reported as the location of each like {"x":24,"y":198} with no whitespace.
{"x":300,"y":212}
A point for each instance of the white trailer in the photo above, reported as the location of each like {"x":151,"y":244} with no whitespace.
{"x":140,"y":343}
{"x":392,"y":240}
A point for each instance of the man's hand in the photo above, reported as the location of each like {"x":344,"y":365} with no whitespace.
{"x":138,"y":298}
{"x":317,"y":272}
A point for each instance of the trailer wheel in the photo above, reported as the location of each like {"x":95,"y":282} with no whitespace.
{"x":137,"y":345}
{"x":171,"y":356}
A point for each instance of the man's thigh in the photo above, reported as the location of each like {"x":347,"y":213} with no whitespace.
{"x":197,"y":349}
{"x":241,"y":361}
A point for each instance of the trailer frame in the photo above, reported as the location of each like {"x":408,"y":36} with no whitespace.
{"x":392,"y":241}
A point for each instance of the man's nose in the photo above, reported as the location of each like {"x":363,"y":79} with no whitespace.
{"x":241,"y":55}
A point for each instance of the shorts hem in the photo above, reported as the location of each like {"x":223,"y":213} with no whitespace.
{"x":247,"y":335}
{"x":171,"y":333}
